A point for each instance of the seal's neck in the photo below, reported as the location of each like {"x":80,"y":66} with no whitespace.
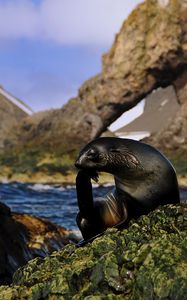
{"x":123,"y":184}
{"x":132,"y":188}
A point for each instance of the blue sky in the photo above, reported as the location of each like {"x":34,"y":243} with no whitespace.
{"x":48,"y":48}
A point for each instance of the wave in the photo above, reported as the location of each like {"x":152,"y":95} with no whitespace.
{"x":39,"y":187}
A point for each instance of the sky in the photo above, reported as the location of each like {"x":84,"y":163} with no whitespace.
{"x":48,"y":48}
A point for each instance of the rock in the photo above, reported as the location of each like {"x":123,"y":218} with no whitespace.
{"x":150,"y":51}
{"x":23,"y":237}
{"x":44,"y":236}
{"x":146,"y":261}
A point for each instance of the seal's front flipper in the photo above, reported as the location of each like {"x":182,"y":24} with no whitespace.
{"x":86,"y":218}
{"x":84,"y":194}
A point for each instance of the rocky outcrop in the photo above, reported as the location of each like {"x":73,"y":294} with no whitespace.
{"x":146,"y":261}
{"x":149,"y":51}
{"x":23,"y":237}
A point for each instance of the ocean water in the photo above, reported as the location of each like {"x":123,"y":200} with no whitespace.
{"x":54,"y":202}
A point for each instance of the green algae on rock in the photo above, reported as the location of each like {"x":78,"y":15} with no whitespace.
{"x":146,"y":261}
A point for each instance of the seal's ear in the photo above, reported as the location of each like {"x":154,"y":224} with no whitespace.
{"x":114,"y":150}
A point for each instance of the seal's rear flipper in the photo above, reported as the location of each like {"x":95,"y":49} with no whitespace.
{"x":85,"y":242}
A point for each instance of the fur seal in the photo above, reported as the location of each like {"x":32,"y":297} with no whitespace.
{"x":144,"y":179}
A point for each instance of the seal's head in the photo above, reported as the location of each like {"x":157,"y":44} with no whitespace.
{"x":106,"y":155}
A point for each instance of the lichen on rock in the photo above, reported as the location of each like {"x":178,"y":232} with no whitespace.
{"x":148,"y":260}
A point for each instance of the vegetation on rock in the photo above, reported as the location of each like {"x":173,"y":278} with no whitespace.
{"x":146,"y":261}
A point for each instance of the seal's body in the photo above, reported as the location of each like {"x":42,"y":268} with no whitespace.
{"x":144,"y":179}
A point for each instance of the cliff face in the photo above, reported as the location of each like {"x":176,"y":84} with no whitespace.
{"x":150,"y":51}
{"x":173,"y":139}
{"x":160,"y":109}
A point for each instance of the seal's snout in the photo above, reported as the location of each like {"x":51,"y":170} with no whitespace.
{"x":87,"y":159}
{"x":78,"y":163}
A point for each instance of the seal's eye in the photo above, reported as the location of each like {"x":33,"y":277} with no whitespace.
{"x":92,"y":154}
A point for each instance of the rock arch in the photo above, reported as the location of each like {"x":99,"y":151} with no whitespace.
{"x":150,"y":51}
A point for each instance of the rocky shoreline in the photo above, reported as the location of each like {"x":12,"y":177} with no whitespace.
{"x":67,"y":179}
{"x":118,"y":265}
{"x":56,"y":178}
{"x":148,"y":260}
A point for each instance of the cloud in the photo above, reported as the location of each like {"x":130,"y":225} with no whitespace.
{"x":67,"y":22}
{"x":19,"y":19}
{"x":83,"y":21}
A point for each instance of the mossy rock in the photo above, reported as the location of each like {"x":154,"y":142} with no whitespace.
{"x":146,"y":261}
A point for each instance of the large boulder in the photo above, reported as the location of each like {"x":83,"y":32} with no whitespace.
{"x":146,"y":261}
{"x":24,"y":237}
